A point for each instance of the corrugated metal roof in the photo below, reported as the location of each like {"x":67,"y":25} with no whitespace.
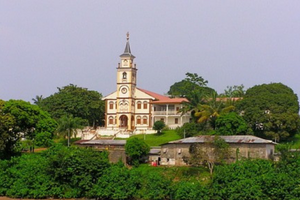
{"x":246,"y":139}
{"x":154,"y":151}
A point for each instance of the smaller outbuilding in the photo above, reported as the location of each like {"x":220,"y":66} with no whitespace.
{"x":115,"y":148}
{"x":240,"y":146}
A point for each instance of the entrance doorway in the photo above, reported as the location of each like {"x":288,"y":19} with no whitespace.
{"x":123,"y":121}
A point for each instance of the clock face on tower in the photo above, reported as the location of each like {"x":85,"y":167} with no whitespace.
{"x":124,"y":90}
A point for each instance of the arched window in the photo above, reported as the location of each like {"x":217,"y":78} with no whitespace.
{"x":125,"y":62}
{"x":111,"y":105}
{"x":145,"y":121}
{"x":124,"y":75}
{"x":139,"y":105}
{"x":111,"y":120}
{"x":138,"y":120}
{"x":145,"y":105}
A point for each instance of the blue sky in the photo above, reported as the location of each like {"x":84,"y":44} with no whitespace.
{"x":52,"y":43}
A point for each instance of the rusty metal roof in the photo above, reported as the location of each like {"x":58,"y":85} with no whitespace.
{"x":245,"y":139}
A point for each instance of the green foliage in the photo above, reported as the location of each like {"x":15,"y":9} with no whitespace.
{"x":115,"y":183}
{"x":159,"y":125}
{"x":213,"y":107}
{"x":74,"y":170}
{"x":213,"y":151}
{"x":68,"y":125}
{"x":27,"y":178}
{"x":271,"y":110}
{"x":189,"y":129}
{"x":9,"y":139}
{"x":44,"y":139}
{"x":186,"y":190}
{"x":154,"y":186}
{"x":191,"y":84}
{"x":256,"y":179}
{"x":30,"y":119}
{"x":234,"y":91}
{"x":136,"y":149}
{"x":231,"y":124}
{"x":76,"y":101}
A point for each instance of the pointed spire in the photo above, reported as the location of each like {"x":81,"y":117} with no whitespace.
{"x":127,"y":51}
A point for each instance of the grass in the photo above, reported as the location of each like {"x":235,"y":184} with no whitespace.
{"x":158,"y":139}
{"x":294,"y":142}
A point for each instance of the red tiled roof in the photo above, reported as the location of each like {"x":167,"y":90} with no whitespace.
{"x":160,"y":99}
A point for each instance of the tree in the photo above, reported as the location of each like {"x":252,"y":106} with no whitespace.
{"x":76,"y":101}
{"x":271,"y":111}
{"x":68,"y":125}
{"x":29,"y":119}
{"x":8,"y":137}
{"x":189,"y":129}
{"x":159,"y":125}
{"x":214,"y":151}
{"x":191,"y":84}
{"x":212,"y":109}
{"x":136,"y":149}
{"x":37,"y":100}
{"x":234,"y":91}
{"x":231,"y":124}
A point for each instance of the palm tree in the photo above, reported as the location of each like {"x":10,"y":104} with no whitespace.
{"x":213,"y":108}
{"x":68,"y":125}
{"x":193,"y":105}
{"x":38,"y":99}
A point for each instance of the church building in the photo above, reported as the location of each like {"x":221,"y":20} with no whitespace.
{"x":134,"y":110}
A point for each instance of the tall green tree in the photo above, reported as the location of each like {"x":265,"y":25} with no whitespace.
{"x":231,"y":124}
{"x":77,"y":101}
{"x":271,"y":111}
{"x":212,"y":109}
{"x":8,"y":137}
{"x":29,"y":119}
{"x":68,"y":126}
{"x":191,"y":84}
{"x":136,"y":149}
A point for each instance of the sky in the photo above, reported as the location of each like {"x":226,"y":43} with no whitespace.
{"x":53,"y":43}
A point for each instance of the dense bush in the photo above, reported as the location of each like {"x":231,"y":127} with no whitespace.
{"x":43,"y":139}
{"x":62,"y":172}
{"x":189,"y":129}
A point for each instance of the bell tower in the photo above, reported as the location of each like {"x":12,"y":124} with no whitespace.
{"x":126,"y":84}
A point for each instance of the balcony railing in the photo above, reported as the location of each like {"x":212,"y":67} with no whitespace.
{"x":169,"y":112}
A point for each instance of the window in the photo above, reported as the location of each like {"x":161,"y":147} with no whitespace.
{"x":145,"y":105}
{"x":110,"y":120}
{"x":124,"y":75}
{"x":176,"y":120}
{"x":162,"y":119}
{"x":144,"y":120}
{"x":139,"y":105}
{"x":125,"y":62}
{"x":138,"y":120}
{"x":177,"y":109}
{"x":111,"y":105}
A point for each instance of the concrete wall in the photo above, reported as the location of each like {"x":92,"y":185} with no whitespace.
{"x":177,"y":154}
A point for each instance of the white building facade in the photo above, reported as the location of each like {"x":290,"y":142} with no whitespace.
{"x":132,"y":109}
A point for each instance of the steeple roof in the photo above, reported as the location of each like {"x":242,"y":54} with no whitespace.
{"x":127,"y":51}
